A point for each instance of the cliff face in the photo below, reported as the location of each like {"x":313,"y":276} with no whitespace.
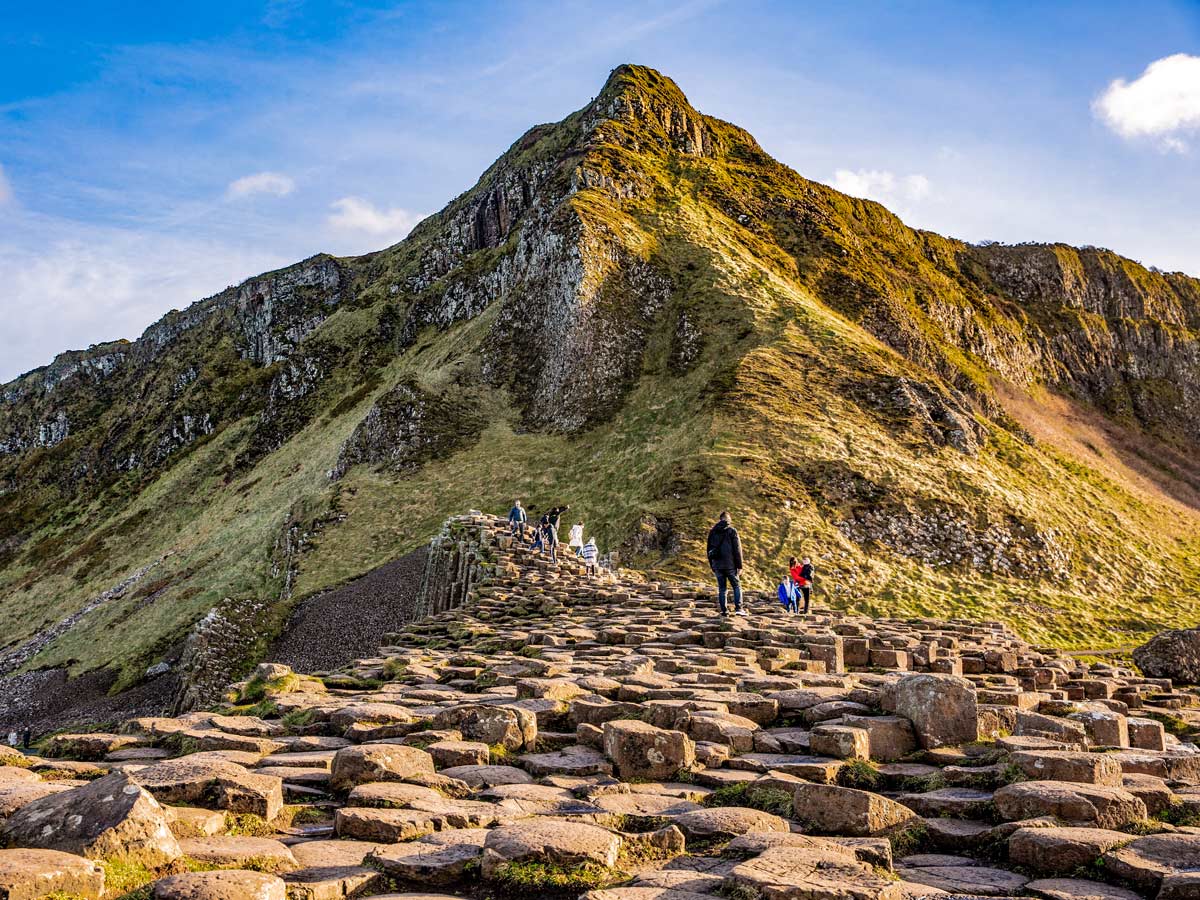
{"x":638,"y":311}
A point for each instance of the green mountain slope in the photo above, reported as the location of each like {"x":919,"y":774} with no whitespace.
{"x":638,"y":311}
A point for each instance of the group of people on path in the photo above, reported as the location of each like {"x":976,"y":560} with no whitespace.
{"x":725,"y":559}
{"x":542,"y":537}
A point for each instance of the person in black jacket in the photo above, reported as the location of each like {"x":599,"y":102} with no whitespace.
{"x":725,"y":558}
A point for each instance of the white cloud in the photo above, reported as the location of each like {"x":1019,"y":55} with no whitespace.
{"x":357,"y":214}
{"x":69,"y":285}
{"x":881,"y":185}
{"x":5,"y":188}
{"x":1161,"y":103}
{"x":261,"y":183}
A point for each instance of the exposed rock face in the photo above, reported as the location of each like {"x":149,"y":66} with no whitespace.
{"x":454,"y":566}
{"x":273,"y":313}
{"x":1128,"y":342}
{"x":1172,"y":654}
{"x":406,"y":426}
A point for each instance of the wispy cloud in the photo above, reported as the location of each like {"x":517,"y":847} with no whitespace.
{"x":359,"y":215}
{"x":272,"y":183}
{"x":1163,"y":102}
{"x":102,"y":283}
{"x":881,"y":185}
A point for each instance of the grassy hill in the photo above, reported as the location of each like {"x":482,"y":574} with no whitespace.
{"x":637,"y":311}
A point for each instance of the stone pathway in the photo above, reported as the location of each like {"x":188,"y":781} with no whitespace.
{"x":547,"y":734}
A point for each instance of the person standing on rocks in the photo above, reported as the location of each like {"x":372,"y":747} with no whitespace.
{"x":517,"y":519}
{"x":575,"y":541}
{"x":555,"y":514}
{"x":590,"y":552}
{"x":550,"y":536}
{"x":725,"y":558}
{"x":802,"y":574}
{"x":539,"y":534}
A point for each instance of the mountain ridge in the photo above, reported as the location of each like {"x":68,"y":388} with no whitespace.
{"x":638,"y":309}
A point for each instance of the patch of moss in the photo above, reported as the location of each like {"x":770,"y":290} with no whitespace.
{"x":127,"y":880}
{"x":538,"y":879}
{"x":297,"y":719}
{"x":769,"y":799}
{"x":910,"y":840}
{"x":859,"y":773}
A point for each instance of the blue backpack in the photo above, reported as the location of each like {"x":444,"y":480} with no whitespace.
{"x":784,"y":593}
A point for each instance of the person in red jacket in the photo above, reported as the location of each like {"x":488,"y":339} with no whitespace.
{"x":802,"y":574}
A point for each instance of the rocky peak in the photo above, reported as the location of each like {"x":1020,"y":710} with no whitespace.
{"x":639,"y":106}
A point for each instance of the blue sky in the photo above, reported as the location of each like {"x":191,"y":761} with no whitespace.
{"x":153,"y":153}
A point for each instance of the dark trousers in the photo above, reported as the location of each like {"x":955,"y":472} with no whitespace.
{"x":727,"y":577}
{"x":807,"y":592}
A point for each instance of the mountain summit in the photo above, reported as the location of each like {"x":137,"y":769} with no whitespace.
{"x":636,"y":310}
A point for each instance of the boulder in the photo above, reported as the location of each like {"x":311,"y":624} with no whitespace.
{"x":831,"y":809}
{"x":1069,"y":765}
{"x":212,"y":783}
{"x":15,"y":794}
{"x":639,"y":750}
{"x":556,"y":841}
{"x":840,"y":742}
{"x":233,"y":884}
{"x":572,"y":760}
{"x":488,"y":776}
{"x":1060,"y":851}
{"x":458,"y":753}
{"x":1079,"y":889}
{"x":791,"y":872}
{"x":192,"y":821}
{"x":435,"y":859}
{"x":229,"y":851}
{"x":384,"y":826}
{"x":890,"y":737}
{"x":1144,"y":862}
{"x":942,"y":708}
{"x":725,"y":822}
{"x":1172,"y":654}
{"x":960,"y":876}
{"x":513,"y":729}
{"x":367,"y":763}
{"x":32,"y":874}
{"x":111,"y":818}
{"x":1071,"y":803}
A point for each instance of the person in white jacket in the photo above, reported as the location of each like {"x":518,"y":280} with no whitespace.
{"x":590,"y":552}
{"x":575,"y":541}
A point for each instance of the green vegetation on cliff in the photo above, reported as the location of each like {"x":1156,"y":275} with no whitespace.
{"x":639,"y":312}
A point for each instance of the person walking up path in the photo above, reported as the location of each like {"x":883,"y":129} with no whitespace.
{"x":551,"y":538}
{"x":517,"y":519}
{"x":590,"y":552}
{"x":725,"y":559}
{"x":575,"y":541}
